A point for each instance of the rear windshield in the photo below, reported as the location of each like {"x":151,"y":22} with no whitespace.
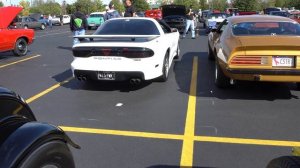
{"x":128,"y":27}
{"x":284,"y":14}
{"x":96,"y":15}
{"x":266,"y":28}
{"x":217,"y":15}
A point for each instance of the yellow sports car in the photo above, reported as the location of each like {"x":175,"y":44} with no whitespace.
{"x":255,"y":48}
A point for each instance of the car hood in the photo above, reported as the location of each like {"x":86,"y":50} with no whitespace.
{"x":168,"y":10}
{"x":8,"y":13}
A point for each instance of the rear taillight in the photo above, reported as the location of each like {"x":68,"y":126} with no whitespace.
{"x":249,"y":60}
{"x":128,"y":52}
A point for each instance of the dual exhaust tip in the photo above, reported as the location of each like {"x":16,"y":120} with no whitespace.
{"x":133,"y":81}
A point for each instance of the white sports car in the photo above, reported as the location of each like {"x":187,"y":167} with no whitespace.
{"x":126,"y":49}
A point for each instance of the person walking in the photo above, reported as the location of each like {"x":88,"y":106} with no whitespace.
{"x":78,"y":24}
{"x":190,"y":23}
{"x":111,"y":12}
{"x":129,"y":9}
{"x":50,"y":20}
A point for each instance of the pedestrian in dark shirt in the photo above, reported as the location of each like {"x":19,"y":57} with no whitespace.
{"x":78,"y":23}
{"x":129,"y":9}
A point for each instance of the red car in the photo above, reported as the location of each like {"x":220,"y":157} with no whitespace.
{"x":12,"y":39}
{"x":154,"y":13}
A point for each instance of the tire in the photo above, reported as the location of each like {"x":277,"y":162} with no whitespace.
{"x":177,"y":56}
{"x":211,"y":55}
{"x":25,"y":27}
{"x":221,"y":80}
{"x":42,"y":27}
{"x":165,"y":69}
{"x":285,"y":162}
{"x":54,"y":154}
{"x":21,"y":47}
{"x":298,"y":86}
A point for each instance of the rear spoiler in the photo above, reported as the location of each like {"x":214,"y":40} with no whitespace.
{"x":117,"y":37}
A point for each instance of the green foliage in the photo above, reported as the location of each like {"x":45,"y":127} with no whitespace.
{"x":25,"y":4}
{"x":118,"y":6}
{"x":141,"y":5}
{"x":249,"y":5}
{"x":1,"y":4}
{"x":219,"y":5}
{"x":203,"y":5}
{"x":188,"y":3}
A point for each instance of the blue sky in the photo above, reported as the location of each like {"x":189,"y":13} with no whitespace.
{"x":16,"y":2}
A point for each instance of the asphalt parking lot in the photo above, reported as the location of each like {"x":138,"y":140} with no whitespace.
{"x":186,"y":121}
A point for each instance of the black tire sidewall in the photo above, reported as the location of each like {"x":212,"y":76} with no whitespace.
{"x":50,"y":153}
{"x":221,"y":80}
{"x":17,"y":52}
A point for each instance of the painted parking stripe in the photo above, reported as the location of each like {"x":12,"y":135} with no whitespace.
{"x":187,"y":152}
{"x":22,"y":60}
{"x":123,"y":133}
{"x":50,"y":89}
{"x":210,"y":139}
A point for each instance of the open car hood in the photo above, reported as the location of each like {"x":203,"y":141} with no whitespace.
{"x":7,"y":15}
{"x":169,"y":10}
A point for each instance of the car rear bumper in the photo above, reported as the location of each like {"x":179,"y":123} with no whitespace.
{"x":119,"y":76}
{"x":283,"y":75}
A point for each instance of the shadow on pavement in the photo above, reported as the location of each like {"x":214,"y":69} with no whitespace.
{"x":65,"y":48}
{"x":75,"y":84}
{"x":242,"y":90}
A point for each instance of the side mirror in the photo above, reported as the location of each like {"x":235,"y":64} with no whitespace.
{"x":174,"y":30}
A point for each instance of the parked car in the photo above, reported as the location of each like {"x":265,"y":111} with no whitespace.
{"x":268,"y":10}
{"x":12,"y":39}
{"x":203,"y":16}
{"x":26,"y":143}
{"x":95,"y":20}
{"x":27,"y":22}
{"x":56,"y":20}
{"x":140,"y":14}
{"x":295,"y":16}
{"x":213,"y":20}
{"x":127,"y":49}
{"x":65,"y":19}
{"x":154,"y":13}
{"x":175,"y":16}
{"x":255,"y":48}
{"x":39,"y":17}
{"x":280,"y":13}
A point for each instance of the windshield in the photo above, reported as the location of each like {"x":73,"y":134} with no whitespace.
{"x":217,"y":15}
{"x":266,"y":28}
{"x":96,"y":15}
{"x":128,"y":27}
{"x":285,"y":14}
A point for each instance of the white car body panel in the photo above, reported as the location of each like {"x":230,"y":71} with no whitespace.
{"x":151,"y":67}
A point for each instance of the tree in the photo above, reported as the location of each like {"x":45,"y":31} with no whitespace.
{"x":188,"y":3}
{"x":25,"y":4}
{"x":1,"y":4}
{"x":242,"y":5}
{"x":141,"y":5}
{"x":118,"y":6}
{"x":219,"y":4}
{"x":279,"y":3}
{"x":203,"y":5}
{"x":70,"y":8}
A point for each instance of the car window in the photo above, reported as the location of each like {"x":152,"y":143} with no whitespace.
{"x":266,"y":28}
{"x":217,"y":15}
{"x":96,"y":15}
{"x":165,"y":27}
{"x":128,"y":27}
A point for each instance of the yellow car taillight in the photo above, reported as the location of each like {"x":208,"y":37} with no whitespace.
{"x":249,"y":60}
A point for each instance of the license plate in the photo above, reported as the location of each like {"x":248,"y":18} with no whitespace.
{"x":282,"y":61}
{"x":106,"y":76}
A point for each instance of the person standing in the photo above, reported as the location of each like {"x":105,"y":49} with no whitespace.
{"x":190,"y":23}
{"x":50,"y":20}
{"x":78,"y":24}
{"x":111,"y":13}
{"x":129,"y":9}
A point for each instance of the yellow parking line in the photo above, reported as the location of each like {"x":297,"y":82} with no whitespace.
{"x":189,"y":133}
{"x":33,"y":98}
{"x":244,"y":141}
{"x":16,"y":62}
{"x":123,"y":133}
{"x":226,"y":140}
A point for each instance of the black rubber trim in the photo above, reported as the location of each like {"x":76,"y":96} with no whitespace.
{"x":265,"y":72}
